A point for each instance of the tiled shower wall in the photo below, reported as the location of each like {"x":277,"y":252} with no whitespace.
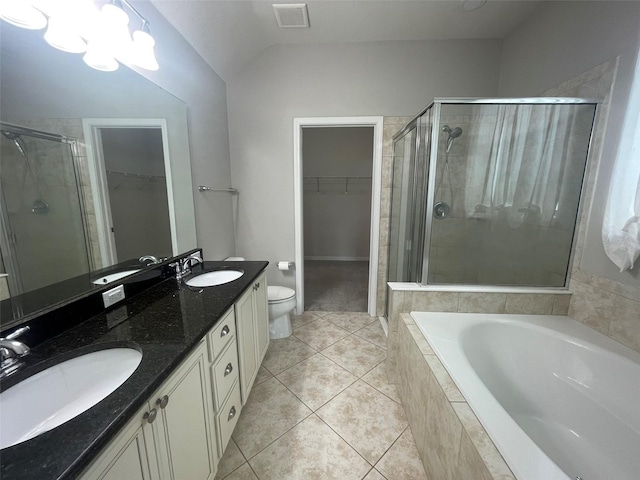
{"x":391,"y":126}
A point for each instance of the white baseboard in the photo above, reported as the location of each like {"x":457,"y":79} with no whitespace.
{"x":339,"y":259}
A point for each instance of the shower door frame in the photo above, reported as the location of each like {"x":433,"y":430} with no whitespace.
{"x":376,"y":187}
{"x":436,"y":104}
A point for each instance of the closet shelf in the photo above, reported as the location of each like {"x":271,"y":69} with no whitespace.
{"x":337,"y":184}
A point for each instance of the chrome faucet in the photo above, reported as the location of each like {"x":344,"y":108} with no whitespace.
{"x":183,"y":266}
{"x":153,"y":260}
{"x":11,"y":350}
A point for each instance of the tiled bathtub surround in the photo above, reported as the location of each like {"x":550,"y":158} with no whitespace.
{"x":450,"y":440}
{"x":611,"y":308}
{"x":404,"y":300}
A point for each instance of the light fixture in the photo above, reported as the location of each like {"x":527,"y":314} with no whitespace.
{"x":142,"y":52}
{"x":62,"y":35}
{"x":113,"y":31}
{"x":77,"y":26}
{"x":22,"y":14}
{"x":99,"y":56}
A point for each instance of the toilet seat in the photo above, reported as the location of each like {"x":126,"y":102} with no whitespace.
{"x":277,"y":294}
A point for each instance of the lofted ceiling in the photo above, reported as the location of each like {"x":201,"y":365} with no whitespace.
{"x":230,"y":33}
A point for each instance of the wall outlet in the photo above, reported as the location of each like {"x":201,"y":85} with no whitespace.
{"x":113,"y":296}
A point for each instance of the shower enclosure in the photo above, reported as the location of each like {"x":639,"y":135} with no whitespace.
{"x":43,"y":236}
{"x":487,"y":191}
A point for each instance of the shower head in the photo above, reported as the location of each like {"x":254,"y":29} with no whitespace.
{"x":453,"y":133}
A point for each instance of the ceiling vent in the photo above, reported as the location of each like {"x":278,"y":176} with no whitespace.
{"x":291,"y":15}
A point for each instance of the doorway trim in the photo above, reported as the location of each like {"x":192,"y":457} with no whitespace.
{"x":98,"y":178}
{"x":376,"y":187}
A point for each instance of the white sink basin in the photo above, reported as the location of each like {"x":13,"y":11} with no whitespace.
{"x":61,"y":392}
{"x":112,"y":277}
{"x":217,"y":277}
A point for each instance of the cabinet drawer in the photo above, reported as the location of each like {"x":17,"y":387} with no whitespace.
{"x":219,"y":337}
{"x":224,"y":374}
{"x":228,"y":417}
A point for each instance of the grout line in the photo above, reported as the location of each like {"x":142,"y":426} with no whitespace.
{"x":343,"y":439}
{"x":390,"y":446}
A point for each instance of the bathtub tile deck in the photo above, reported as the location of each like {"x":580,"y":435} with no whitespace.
{"x":317,"y":418}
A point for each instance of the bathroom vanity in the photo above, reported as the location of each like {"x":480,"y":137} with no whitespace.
{"x":201,"y":350}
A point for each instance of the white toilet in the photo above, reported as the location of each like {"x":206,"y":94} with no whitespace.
{"x":282,"y":301}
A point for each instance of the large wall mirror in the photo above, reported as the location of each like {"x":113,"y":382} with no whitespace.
{"x":95,"y":172}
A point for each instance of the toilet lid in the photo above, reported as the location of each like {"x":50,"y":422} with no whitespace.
{"x":278,"y":294}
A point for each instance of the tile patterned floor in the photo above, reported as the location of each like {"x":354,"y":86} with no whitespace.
{"x":321,"y":408}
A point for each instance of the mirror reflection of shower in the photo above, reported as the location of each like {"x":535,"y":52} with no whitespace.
{"x":441,"y":209}
{"x":41,"y":241}
{"x":39,"y":205}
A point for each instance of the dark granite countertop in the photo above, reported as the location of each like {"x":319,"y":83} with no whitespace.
{"x":164,"y":322}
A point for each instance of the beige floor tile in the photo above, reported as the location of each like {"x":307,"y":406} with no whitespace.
{"x":231,"y":459}
{"x":298,"y":321}
{"x":374,"y":333}
{"x":316,"y":380}
{"x":355,"y":354}
{"x":379,"y":380}
{"x":368,"y":420}
{"x":284,"y":353}
{"x":374,"y":475}
{"x":242,"y":473}
{"x":351,"y":321}
{"x":402,"y":461}
{"x":262,"y":375}
{"x":309,"y":451}
{"x":320,"y":334}
{"x":270,"y":411}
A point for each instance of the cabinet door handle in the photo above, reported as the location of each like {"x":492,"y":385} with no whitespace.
{"x":150,"y":416}
{"x":163,"y":402}
{"x":232,"y":413}
{"x":228,"y":370}
{"x":225,"y":331}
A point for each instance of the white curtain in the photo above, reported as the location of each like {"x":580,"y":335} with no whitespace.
{"x":621,"y":227}
{"x":518,"y":163}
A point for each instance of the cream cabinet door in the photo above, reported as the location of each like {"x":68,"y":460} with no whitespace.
{"x":184,"y":429}
{"x":128,"y":456}
{"x":261,"y":316}
{"x":247,"y":352}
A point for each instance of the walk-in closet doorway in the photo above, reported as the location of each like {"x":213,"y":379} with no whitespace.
{"x":337,"y":163}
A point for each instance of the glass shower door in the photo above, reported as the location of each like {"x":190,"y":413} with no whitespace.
{"x":403,"y":262}
{"x":42,"y":235}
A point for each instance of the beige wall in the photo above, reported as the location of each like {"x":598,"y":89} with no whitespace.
{"x":284,"y":82}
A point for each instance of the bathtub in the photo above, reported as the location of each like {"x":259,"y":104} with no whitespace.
{"x":558,"y":399}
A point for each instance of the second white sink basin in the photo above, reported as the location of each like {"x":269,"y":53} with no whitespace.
{"x":56,"y":395}
{"x":218,"y":277}
{"x":112,"y":277}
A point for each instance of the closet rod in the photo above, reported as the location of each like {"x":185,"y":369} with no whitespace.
{"x":204,"y":188}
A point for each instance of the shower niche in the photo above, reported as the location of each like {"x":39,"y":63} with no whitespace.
{"x":487,"y":191}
